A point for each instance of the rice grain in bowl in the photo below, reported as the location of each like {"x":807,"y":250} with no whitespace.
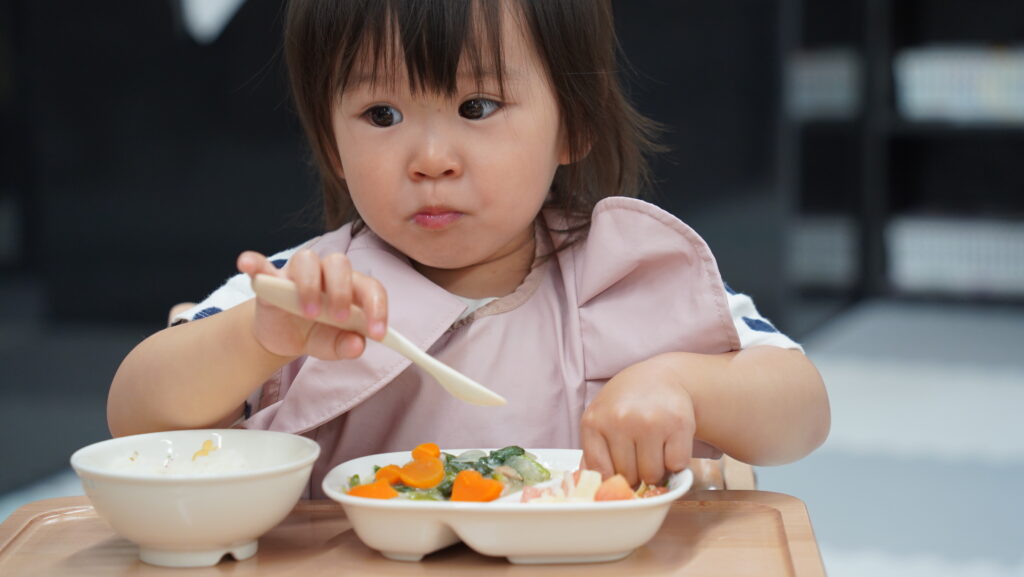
{"x":187,"y":498}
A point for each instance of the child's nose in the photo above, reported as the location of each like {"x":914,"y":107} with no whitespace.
{"x":435,"y":157}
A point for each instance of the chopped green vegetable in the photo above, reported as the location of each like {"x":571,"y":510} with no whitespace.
{"x":511,"y":465}
{"x":425,"y":495}
{"x":500,"y":456}
{"x":532,"y":471}
{"x":509,"y":477}
{"x":445,"y":488}
{"x":452,"y":465}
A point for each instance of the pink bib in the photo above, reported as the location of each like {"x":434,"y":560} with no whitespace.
{"x":642,"y":283}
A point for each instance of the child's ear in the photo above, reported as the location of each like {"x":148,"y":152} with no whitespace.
{"x":565,"y":158}
{"x":565,"y":155}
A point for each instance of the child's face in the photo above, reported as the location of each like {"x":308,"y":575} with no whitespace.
{"x":454,"y":184}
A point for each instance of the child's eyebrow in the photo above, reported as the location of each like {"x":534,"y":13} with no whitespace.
{"x":508,"y":76}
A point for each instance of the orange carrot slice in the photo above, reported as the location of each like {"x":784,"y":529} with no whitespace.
{"x":376,"y":490}
{"x":422,"y":473}
{"x":470,"y":485}
{"x":426,"y":451}
{"x":389,"y":474}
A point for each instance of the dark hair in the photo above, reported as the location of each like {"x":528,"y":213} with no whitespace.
{"x":575,"y":39}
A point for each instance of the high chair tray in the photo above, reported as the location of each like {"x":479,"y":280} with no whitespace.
{"x":705,"y":533}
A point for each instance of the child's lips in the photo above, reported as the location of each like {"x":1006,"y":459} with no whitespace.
{"x":436,"y":219}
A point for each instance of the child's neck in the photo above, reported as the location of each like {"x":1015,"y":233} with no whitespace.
{"x":493,"y":278}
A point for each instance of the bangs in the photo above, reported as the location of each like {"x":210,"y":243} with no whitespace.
{"x":431,"y":42}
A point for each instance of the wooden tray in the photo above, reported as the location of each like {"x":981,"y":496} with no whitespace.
{"x":709,"y":533}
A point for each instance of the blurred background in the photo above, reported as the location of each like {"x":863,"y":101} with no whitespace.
{"x":855,"y":165}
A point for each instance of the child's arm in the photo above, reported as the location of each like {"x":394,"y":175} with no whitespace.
{"x":199,"y":374}
{"x":193,"y":375}
{"x":763,"y":405}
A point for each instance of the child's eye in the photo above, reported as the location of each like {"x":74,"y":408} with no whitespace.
{"x":478,"y":108}
{"x":383,"y":116}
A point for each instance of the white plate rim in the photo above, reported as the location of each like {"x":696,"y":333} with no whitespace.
{"x":88,"y":470}
{"x":683,"y":481}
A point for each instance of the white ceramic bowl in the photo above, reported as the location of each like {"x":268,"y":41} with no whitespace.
{"x":406,"y":530}
{"x":190,"y":513}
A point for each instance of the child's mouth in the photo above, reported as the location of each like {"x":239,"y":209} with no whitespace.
{"x":436,"y":219}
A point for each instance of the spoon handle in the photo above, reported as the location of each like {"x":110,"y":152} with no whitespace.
{"x":282,"y":294}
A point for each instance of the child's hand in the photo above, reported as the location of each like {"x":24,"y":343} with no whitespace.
{"x":285,"y":334}
{"x":640,"y":425}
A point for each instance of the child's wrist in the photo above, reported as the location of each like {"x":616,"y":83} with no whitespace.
{"x":254,"y":344}
{"x":670,"y":368}
{"x":687,"y":373}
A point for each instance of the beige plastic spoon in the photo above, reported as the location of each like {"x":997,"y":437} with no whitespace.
{"x":283,"y":294}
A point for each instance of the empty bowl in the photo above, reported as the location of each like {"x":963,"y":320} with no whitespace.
{"x":188,"y":498}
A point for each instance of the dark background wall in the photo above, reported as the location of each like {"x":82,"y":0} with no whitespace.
{"x":711,"y":72}
{"x":136,"y":163}
{"x":151,"y":160}
{"x":144,"y":162}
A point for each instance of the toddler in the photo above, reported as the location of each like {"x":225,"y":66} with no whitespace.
{"x":480,"y":165}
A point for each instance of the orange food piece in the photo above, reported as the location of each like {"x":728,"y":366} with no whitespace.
{"x":422,"y":473}
{"x":378,"y":489}
{"x":470,"y":485}
{"x":426,"y":451}
{"x":389,"y":474}
{"x":614,"y":488}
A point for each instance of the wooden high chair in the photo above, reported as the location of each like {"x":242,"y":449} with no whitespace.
{"x":723,"y":473}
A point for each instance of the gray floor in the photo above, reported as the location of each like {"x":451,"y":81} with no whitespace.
{"x":919,"y":477}
{"x":922,"y":472}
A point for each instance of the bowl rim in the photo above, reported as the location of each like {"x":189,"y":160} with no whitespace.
{"x":91,"y":471}
{"x":684,"y":480}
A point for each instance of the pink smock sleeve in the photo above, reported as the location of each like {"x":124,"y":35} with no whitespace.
{"x":647,"y":284}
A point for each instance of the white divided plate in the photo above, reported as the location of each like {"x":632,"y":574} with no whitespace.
{"x":406,"y":530}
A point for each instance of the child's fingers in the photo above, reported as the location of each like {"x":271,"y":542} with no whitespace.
{"x":342,"y":344}
{"x":349,"y":345}
{"x":678,"y":450}
{"x":650,"y":460}
{"x":371,"y":296}
{"x":330,"y":343}
{"x":305,"y":271}
{"x":253,"y":263}
{"x":595,"y":452}
{"x":337,"y":280}
{"x":623,"y":452}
